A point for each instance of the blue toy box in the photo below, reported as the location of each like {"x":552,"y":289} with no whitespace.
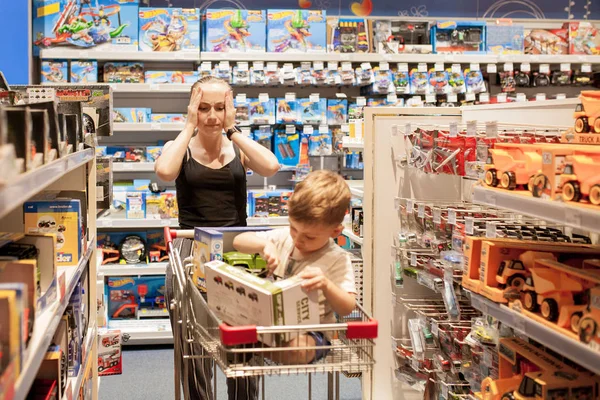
{"x":131,"y":115}
{"x":286,"y":143}
{"x":296,"y":31}
{"x":136,"y":297}
{"x":264,"y":136}
{"x":320,"y":142}
{"x":462,"y":37}
{"x":337,"y":111}
{"x":505,"y":39}
{"x":84,"y":71}
{"x":153,"y":152}
{"x":54,"y":71}
{"x":234,"y":30}
{"x":81,"y":24}
{"x":260,"y":112}
{"x":313,"y":112}
{"x":287,"y":111}
{"x":170,"y":77}
{"x":169,"y":29}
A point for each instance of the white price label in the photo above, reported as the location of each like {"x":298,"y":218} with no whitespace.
{"x":413,"y":259}
{"x":258,"y":65}
{"x":492,"y":68}
{"x":470,"y":96}
{"x":452,"y":98}
{"x":456,"y":69}
{"x":540,"y":97}
{"x":565,"y":67}
{"x":437,"y":216}
{"x":332,"y":65}
{"x":287,"y":67}
{"x":384,"y":66}
{"x":453,"y":131}
{"x":484,"y":97}
{"x":240,"y":98}
{"x":206,"y":66}
{"x":155,"y":126}
{"x":242,"y":66}
{"x":271,"y":66}
{"x":366,"y":66}
{"x":403,"y":67}
{"x":361,"y":101}
{"x":345,"y":128}
{"x":346,"y":66}
{"x":314,"y":98}
{"x":323,"y":129}
{"x":561,"y":96}
{"x":410,"y":206}
{"x":471,"y":128}
{"x":407,"y":129}
{"x":422,"y":67}
{"x":421,"y":210}
{"x":308,"y":129}
{"x":491,"y":229}
{"x":469,"y":225}
{"x":474,"y":67}
{"x":521,"y":97}
{"x":290,"y":129}
{"x":289,"y":97}
{"x":224,"y":65}
{"x":586,"y":68}
{"x":509,"y":67}
{"x":318,"y":65}
{"x":491,"y":129}
{"x":392,"y":98}
{"x":439,"y":66}
{"x":263,"y":97}
{"x":525,"y":67}
{"x":451,"y":216}
{"x":435,"y":328}
{"x":501,"y":98}
{"x":545,"y":68}
{"x":154,"y":87}
{"x":415,"y":364}
{"x":430,"y":98}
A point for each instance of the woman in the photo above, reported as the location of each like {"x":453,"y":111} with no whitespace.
{"x":209,"y":170}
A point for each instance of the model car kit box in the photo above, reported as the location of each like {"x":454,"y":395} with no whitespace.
{"x":234,"y":30}
{"x":169,"y":29}
{"x":296,"y":31}
{"x":583,"y":38}
{"x":241,"y":298}
{"x":463,"y":37}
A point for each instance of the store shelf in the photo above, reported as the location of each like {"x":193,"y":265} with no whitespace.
{"x":352,"y":236}
{"x":132,"y":269}
{"x":22,"y":187}
{"x":352,"y":143}
{"x":573,"y":349}
{"x":141,"y":332}
{"x":75,"y":383}
{"x":147,"y":127}
{"x":150,"y":87}
{"x":268,"y":221}
{"x":119,"y":221}
{"x":583,"y":217}
{"x":46,"y":324}
{"x":356,"y":188}
{"x":101,"y":53}
{"x":133,"y":167}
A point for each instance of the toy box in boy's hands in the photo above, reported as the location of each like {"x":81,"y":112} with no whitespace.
{"x":505,"y":39}
{"x":85,"y":71}
{"x":583,"y":38}
{"x":131,"y":115}
{"x":169,"y":29}
{"x":241,"y":298}
{"x":156,"y":77}
{"x":234,"y":30}
{"x":123,"y":72}
{"x":54,"y":71}
{"x":546,"y":41}
{"x":296,"y":31}
{"x":103,"y":22}
{"x":347,"y":35}
{"x":136,"y":297}
{"x":286,"y":143}
{"x":109,"y":352}
{"x":466,"y":37}
{"x":161,"y":205}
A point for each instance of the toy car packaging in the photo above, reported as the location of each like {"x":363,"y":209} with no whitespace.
{"x":264,"y":136}
{"x":156,"y":77}
{"x":466,"y":37}
{"x":261,"y":112}
{"x":337,"y":111}
{"x":271,"y":203}
{"x":84,"y":24}
{"x":234,"y":30}
{"x":546,"y":41}
{"x":296,"y":31}
{"x":456,"y":80}
{"x":84,"y":71}
{"x":304,"y":74}
{"x":474,"y":81}
{"x":109,"y":352}
{"x":505,"y":39}
{"x":131,"y":115}
{"x":383,"y":81}
{"x":401,"y":81}
{"x":438,"y":81}
{"x":169,"y":29}
{"x":401,"y":36}
{"x":364,"y":74}
{"x":123,"y":72}
{"x":287,"y":111}
{"x":313,"y":112}
{"x":347,"y":35}
{"x":583,"y":38}
{"x":157,"y":250}
{"x":167,"y":118}
{"x":419,"y":82}
{"x":287,"y":145}
{"x":136,"y":297}
{"x":241,"y":75}
{"x":54,"y":71}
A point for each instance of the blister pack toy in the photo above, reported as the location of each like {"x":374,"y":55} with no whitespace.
{"x":438,"y":81}
{"x":348,"y":35}
{"x":333,"y":75}
{"x":272,"y":75}
{"x":166,"y":77}
{"x":313,"y":112}
{"x":222,"y":71}
{"x":234,"y":30}
{"x":299,"y":31}
{"x":419,"y":82}
{"x":286,"y":143}
{"x":257,"y":76}
{"x":136,"y":297}
{"x":85,"y":71}
{"x":54,"y":71}
{"x":456,"y":80}
{"x":382,"y":81}
{"x":169,"y":29}
{"x":264,"y":136}
{"x":304,"y":74}
{"x":261,"y":112}
{"x":474,"y":81}
{"x":241,"y":75}
{"x":507,"y":81}
{"x":561,"y":78}
{"x":242,"y":110}
{"x":337,"y":111}
{"x":287,"y":111}
{"x":204,"y":69}
{"x":131,"y":115}
{"x":401,"y":81}
{"x":365,"y":74}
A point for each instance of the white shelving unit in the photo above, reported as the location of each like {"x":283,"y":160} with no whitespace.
{"x":132,"y":269}
{"x":119,"y":221}
{"x":147,"y":127}
{"x":353,"y":143}
{"x":143,"y":332}
{"x":133,"y":167}
{"x":357,"y":188}
{"x":353,"y":238}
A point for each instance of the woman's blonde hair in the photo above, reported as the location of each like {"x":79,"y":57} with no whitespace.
{"x":209,"y":79}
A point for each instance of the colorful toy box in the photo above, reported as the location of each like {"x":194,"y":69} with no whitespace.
{"x":313,"y":112}
{"x":54,"y":71}
{"x":136,"y":297}
{"x":84,"y":24}
{"x":171,"y":76}
{"x":337,"y":111}
{"x":264,"y":136}
{"x":123,"y":72}
{"x":167,"y":118}
{"x":84,"y":71}
{"x":169,"y":29}
{"x":272,"y":203}
{"x":296,"y":31}
{"x":286,"y":143}
{"x":234,"y":30}
{"x":400,"y":36}
{"x":320,"y":142}
{"x":131,"y":115}
{"x":153,"y":152}
{"x":583,"y":38}
{"x":465,"y":37}
{"x":505,"y":39}
{"x":546,"y":41}
{"x":287,"y":111}
{"x":109,"y":352}
{"x":348,"y":35}
{"x":261,"y":112}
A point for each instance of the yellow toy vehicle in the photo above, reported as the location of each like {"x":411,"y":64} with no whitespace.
{"x":587,"y":113}
{"x":580,"y":178}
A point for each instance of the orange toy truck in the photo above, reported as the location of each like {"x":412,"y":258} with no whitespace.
{"x":587,"y":113}
{"x":512,"y":166}
{"x":581,"y":178}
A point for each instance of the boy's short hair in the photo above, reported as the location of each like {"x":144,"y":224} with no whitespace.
{"x":323,"y":197}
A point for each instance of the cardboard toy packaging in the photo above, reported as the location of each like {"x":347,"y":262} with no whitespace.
{"x":400,"y":36}
{"x":546,"y":41}
{"x":169,"y":29}
{"x":463,"y":37}
{"x":241,"y":298}
{"x":109,"y":352}
{"x":84,"y":71}
{"x":131,"y":115}
{"x":583,"y":38}
{"x":55,"y":71}
{"x":348,"y":35}
{"x":234,"y":30}
{"x":296,"y":31}
{"x":505,"y":39}
{"x":164,"y":77}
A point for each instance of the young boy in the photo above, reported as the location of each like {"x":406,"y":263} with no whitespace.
{"x":316,"y":211}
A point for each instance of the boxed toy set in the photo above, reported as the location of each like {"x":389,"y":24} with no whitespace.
{"x":296,"y":31}
{"x":123,"y":72}
{"x":261,"y":111}
{"x":136,"y":297}
{"x":270,"y":203}
{"x":337,"y":111}
{"x":85,"y":71}
{"x":109,"y":352}
{"x":465,"y":37}
{"x":169,"y":29}
{"x":584,"y":38}
{"x":167,"y":118}
{"x":241,"y":298}
{"x":234,"y":30}
{"x":54,"y":71}
{"x":313,"y":110}
{"x":287,"y":111}
{"x":158,"y":77}
{"x":546,"y":41}
{"x":131,"y":115}
{"x":400,"y":36}
{"x":264,"y":136}
{"x":348,"y":35}
{"x":505,"y":39}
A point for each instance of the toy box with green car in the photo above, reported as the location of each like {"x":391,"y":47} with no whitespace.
{"x":456,"y":79}
{"x":55,"y":71}
{"x":83,"y":23}
{"x":240,"y":75}
{"x":401,"y":80}
{"x":419,"y":82}
{"x":169,"y":29}
{"x":84,"y":71}
{"x":261,"y":111}
{"x":465,"y":37}
{"x":347,"y":35}
{"x":156,"y":77}
{"x":313,"y":112}
{"x":157,"y":250}
{"x":296,"y":31}
{"x":131,"y":115}
{"x":120,"y":247}
{"x":234,"y":30}
{"x":337,"y":111}
{"x":136,"y":297}
{"x":263,"y":134}
{"x":505,"y":39}
{"x":287,"y":111}
{"x":286,"y":143}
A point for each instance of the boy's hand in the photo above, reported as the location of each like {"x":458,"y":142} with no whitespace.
{"x":269,"y":254}
{"x":314,"y":279}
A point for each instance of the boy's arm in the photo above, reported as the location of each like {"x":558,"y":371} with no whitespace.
{"x":341,"y":301}
{"x":251,"y":243}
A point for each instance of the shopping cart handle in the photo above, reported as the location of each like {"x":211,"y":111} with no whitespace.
{"x":234,"y":335}
{"x":362,"y":330}
{"x":169,"y":235}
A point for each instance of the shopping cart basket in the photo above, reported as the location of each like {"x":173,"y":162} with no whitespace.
{"x":238,"y":350}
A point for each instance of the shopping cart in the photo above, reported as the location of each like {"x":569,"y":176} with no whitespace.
{"x":238,"y":350}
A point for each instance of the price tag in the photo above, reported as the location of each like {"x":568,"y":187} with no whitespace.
{"x":439,"y":66}
{"x":453,"y":129}
{"x":501,"y":98}
{"x":361,"y":101}
{"x":384,"y":66}
{"x":491,"y":229}
{"x":308,"y":129}
{"x":422,"y":67}
{"x":491,"y":129}
{"x":413,"y":259}
{"x":392,"y":98}
{"x":345,"y":128}
{"x":565,"y":67}
{"x":430,"y":98}
{"x":258,"y":65}
{"x":332,"y":65}
{"x":366,"y":66}
{"x":403,"y":67}
{"x":435,"y":328}
{"x":410,"y":206}
{"x":525,"y":67}
{"x":155,"y":126}
{"x":271,"y":66}
{"x":318,"y":65}
{"x":290,"y":129}
{"x":437,"y":216}
{"x":415,"y":364}
{"x":521,"y":97}
{"x":561,"y":96}
{"x":346,"y":66}
{"x":509,"y":67}
{"x":154,"y":87}
{"x":471,"y":128}
{"x":289,"y":97}
{"x":223,"y":65}
{"x":240,"y":98}
{"x":586,"y":68}
{"x":456,"y":69}
{"x":492,"y":68}
{"x":451,"y":216}
{"x":206,"y":66}
{"x":314,"y":98}
{"x":545,"y":68}
{"x":421,"y":210}
{"x":287,"y":67}
{"x":407,"y":129}
{"x":484,"y":97}
{"x":540,"y":97}
{"x":474,"y":67}
{"x":469,"y":225}
{"x":470,"y":96}
{"x":263,"y":97}
{"x":323,"y":129}
{"x":242,"y":66}
{"x":452,"y":98}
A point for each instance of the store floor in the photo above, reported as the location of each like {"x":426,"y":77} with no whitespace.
{"x":148,"y":375}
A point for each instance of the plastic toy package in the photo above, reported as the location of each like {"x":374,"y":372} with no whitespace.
{"x":288,"y":74}
{"x":333,"y":76}
{"x":583,"y":38}
{"x":156,"y":77}
{"x":272,"y":75}
{"x":438,"y":80}
{"x":133,"y":297}
{"x":474,"y":81}
{"x":401,"y":36}
{"x":546,"y":41}
{"x":365,"y":75}
{"x":320,"y":143}
{"x":382,"y":81}
{"x":561,"y":78}
{"x":223,"y":71}
{"x":419,"y":82}
{"x":261,"y":112}
{"x":234,"y":30}
{"x":131,"y":115}
{"x":505,"y":39}
{"x":304,"y":74}
{"x":241,"y":75}
{"x":123,"y":72}
{"x":348,"y":35}
{"x":319,"y":76}
{"x":204,"y":69}
{"x":337,"y":111}
{"x":54,"y":71}
{"x":169,"y":29}
{"x":451,"y":37}
{"x":297,"y":31}
{"x":287,"y":111}
{"x":264,"y":136}
{"x":401,"y":81}
{"x":456,"y":81}
{"x":168,"y":118}
{"x":84,"y":71}
{"x":84,"y":24}
{"x":313,"y":112}
{"x":286,"y":143}
{"x":507,"y":81}
{"x":242,"y":112}
{"x":355,"y":111}
{"x":347,"y":76}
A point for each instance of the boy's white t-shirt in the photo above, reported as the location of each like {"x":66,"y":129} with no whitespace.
{"x":332,"y":259}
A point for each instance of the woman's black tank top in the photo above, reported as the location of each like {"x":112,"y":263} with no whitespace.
{"x":211,"y":197}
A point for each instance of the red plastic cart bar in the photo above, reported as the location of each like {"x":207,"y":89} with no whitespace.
{"x":236,"y":335}
{"x":362,"y":330}
{"x":171,"y":234}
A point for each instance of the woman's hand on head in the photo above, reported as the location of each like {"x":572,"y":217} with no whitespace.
{"x":192,"y":110}
{"x":229,"y":111}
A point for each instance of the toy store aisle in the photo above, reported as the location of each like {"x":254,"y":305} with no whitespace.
{"x":148,"y":375}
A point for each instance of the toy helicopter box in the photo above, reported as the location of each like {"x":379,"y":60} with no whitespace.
{"x":132,"y":115}
{"x":234,"y":30}
{"x":296,"y":31}
{"x":109,"y":352}
{"x":84,"y":71}
{"x":348,"y":35}
{"x":505,"y":39}
{"x":169,"y":29}
{"x":241,"y":298}
{"x":54,"y":71}
{"x":463,"y":37}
